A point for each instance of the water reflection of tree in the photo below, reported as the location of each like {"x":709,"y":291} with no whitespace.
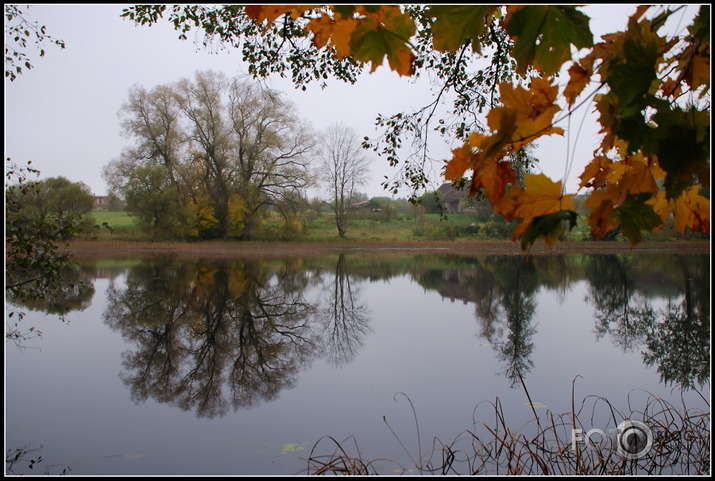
{"x":69,"y":293}
{"x":620,"y":309}
{"x":210,"y":336}
{"x":503,"y":289}
{"x":345,"y":320}
{"x":518,"y":282}
{"x":677,"y":337}
{"x":680,"y":343}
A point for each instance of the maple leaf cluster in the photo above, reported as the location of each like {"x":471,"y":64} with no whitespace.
{"x":368,"y":33}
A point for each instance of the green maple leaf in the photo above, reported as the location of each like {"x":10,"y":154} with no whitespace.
{"x":682,"y":142}
{"x":371,"y":42}
{"x":454,"y":24}
{"x":636,"y":216}
{"x":549,"y":226}
{"x":345,"y":10}
{"x":544,"y":35}
{"x":631,"y":77}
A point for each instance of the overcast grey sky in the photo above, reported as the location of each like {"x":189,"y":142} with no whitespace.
{"x":62,"y":114}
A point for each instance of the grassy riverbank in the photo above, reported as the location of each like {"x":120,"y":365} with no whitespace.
{"x":459,"y":233}
{"x":104,"y":248}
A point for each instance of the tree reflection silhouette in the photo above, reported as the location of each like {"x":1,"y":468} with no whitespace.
{"x":345,"y":320}
{"x":211,"y":335}
{"x":503,"y":290}
{"x":69,"y":293}
{"x":676,"y":338}
{"x":518,"y":285}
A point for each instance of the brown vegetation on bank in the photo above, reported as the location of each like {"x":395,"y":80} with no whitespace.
{"x":84,"y":248}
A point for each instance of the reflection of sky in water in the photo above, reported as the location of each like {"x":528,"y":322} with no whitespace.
{"x":67,"y":394}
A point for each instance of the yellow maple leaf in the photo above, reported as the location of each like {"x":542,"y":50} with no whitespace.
{"x":661,"y":206}
{"x":534,"y":110}
{"x":539,"y":196}
{"x":692,"y":211}
{"x":635,"y":174}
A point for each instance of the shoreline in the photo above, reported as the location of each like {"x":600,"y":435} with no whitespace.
{"x":103,"y":248}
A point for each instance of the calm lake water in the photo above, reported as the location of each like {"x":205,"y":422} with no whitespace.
{"x":181,"y":366}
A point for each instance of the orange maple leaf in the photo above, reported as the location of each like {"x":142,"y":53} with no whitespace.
{"x":502,"y":121}
{"x":691,"y":210}
{"x":579,"y":78}
{"x":595,"y":174}
{"x":259,"y":13}
{"x":460,"y":162}
{"x":602,"y":204}
{"x":539,"y":196}
{"x":698,"y":72}
{"x":492,"y":176}
{"x":336,"y":31}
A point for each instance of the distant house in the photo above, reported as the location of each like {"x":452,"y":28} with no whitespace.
{"x":362,"y":205}
{"x":450,"y":197}
{"x":101,"y":202}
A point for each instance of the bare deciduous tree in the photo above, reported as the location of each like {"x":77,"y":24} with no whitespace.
{"x":345,"y":167}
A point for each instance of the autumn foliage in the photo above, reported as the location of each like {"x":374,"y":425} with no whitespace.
{"x":651,"y":93}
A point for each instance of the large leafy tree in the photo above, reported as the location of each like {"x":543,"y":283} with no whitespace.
{"x":651,"y":93}
{"x":270,"y":151}
{"x":224,"y":149}
{"x":54,"y":208}
{"x":40,"y":217}
{"x":150,"y":195}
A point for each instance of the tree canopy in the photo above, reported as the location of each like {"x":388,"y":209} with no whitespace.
{"x":210,"y":156}
{"x":651,"y":94}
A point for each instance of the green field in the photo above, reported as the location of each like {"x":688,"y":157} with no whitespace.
{"x":322,"y":228}
{"x":373,"y":227}
{"x":117,"y":221}
{"x":370,"y":227}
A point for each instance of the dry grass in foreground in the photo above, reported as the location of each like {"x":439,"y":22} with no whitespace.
{"x":680,"y":445}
